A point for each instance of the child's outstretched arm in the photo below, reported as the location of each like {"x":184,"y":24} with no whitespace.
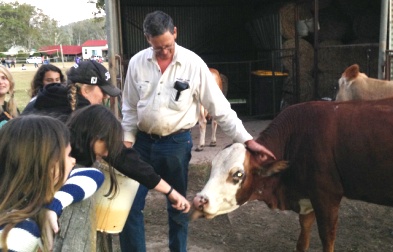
{"x":81,"y":184}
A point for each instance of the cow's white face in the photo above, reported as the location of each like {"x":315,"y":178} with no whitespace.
{"x":344,"y":89}
{"x":219,"y":194}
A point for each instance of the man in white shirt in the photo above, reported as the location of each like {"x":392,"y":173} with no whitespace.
{"x":164,"y":86}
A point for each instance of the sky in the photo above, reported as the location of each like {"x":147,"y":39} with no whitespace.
{"x":64,"y":11}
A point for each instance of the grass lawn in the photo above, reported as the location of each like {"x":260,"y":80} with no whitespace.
{"x":23,"y":79}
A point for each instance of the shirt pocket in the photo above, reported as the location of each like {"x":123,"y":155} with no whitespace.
{"x":143,"y":88}
{"x":182,"y":102}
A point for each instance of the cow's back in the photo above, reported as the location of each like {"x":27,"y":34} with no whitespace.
{"x":364,"y":150}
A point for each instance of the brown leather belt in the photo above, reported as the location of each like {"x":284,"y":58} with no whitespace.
{"x":155,"y":137}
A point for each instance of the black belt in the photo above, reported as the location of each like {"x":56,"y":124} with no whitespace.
{"x":155,"y":137}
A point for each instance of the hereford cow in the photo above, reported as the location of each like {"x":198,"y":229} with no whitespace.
{"x":222,"y":83}
{"x":354,"y":85}
{"x":324,"y":151}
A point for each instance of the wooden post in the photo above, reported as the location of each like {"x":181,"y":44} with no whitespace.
{"x":104,"y":242}
{"x":77,"y":228}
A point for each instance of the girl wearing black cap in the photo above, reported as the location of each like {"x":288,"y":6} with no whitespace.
{"x":88,"y":83}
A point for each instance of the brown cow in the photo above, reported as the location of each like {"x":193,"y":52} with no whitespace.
{"x":331,"y":150}
{"x":222,"y":83}
{"x":354,"y":85}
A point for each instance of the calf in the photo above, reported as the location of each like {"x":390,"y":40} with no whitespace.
{"x":222,"y":83}
{"x":354,"y":85}
{"x":324,"y":150}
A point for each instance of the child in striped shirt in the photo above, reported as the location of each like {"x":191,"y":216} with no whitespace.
{"x":36,"y":181}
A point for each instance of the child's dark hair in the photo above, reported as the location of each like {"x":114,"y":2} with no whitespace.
{"x":38,"y":78}
{"x":92,"y":123}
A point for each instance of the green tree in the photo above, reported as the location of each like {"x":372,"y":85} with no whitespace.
{"x":15,"y":22}
{"x":100,"y":5}
{"x":25,"y":25}
{"x":84,"y":30}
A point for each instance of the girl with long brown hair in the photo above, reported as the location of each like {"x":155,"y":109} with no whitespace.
{"x":36,"y":181}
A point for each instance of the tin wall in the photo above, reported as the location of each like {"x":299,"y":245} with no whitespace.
{"x":215,"y":31}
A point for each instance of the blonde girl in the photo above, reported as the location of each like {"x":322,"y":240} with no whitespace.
{"x":8,"y":109}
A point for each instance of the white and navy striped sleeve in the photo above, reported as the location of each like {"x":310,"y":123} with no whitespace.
{"x":25,"y":236}
{"x":81,"y":184}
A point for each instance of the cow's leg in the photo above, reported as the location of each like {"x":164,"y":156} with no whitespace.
{"x":326,"y":213}
{"x":202,"y":129}
{"x":327,"y":227}
{"x":306,"y":221}
{"x":213,"y":141}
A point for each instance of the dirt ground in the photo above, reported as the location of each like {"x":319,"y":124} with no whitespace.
{"x":254,"y":227}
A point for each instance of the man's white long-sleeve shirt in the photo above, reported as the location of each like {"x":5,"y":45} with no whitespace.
{"x":149,"y":97}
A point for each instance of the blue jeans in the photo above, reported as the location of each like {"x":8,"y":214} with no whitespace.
{"x":170,"y":157}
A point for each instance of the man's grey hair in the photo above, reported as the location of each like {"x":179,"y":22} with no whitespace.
{"x":157,"y":23}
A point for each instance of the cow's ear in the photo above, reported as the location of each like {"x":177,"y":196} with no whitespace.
{"x":351,"y":72}
{"x":272,"y":168}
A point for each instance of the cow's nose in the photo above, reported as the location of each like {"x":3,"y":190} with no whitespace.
{"x":199,"y":201}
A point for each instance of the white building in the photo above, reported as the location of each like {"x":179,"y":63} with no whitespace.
{"x":93,"y":48}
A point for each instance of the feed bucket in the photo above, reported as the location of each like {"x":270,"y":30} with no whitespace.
{"x":112,"y":213}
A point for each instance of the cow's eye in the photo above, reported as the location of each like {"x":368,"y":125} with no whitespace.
{"x":237,"y":176}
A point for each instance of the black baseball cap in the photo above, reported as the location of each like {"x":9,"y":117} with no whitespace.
{"x":93,"y":73}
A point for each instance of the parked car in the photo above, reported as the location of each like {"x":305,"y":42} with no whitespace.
{"x":33,"y":60}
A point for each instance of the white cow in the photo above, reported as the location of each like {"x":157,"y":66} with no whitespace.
{"x":354,"y":85}
{"x":222,"y":83}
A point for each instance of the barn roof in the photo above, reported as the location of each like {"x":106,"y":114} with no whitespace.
{"x":95,"y":43}
{"x":67,"y":49}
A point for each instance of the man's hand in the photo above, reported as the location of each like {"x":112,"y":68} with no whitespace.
{"x":256,"y":147}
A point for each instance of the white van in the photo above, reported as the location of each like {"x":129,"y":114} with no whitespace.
{"x":32,"y":60}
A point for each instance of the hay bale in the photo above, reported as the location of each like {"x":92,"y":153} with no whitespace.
{"x":306,"y":88}
{"x":287,"y":18}
{"x":328,"y":57}
{"x":328,"y":84}
{"x":306,"y":55}
{"x":336,"y":59}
